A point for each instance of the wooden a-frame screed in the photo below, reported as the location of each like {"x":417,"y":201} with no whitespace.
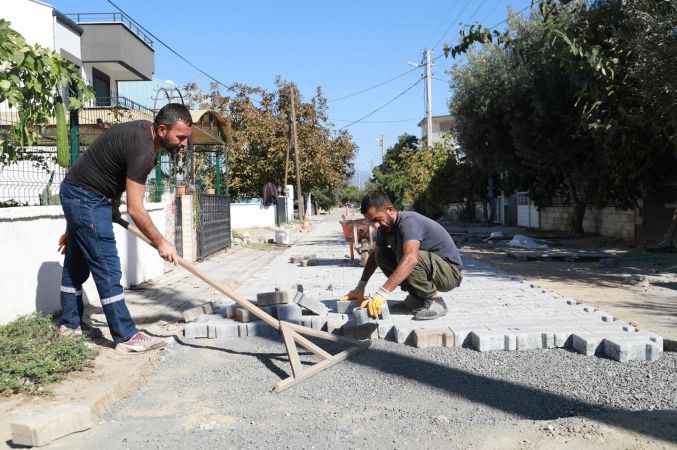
{"x":292,"y":334}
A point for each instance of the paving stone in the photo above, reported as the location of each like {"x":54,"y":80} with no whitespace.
{"x":231,"y":329}
{"x":346,"y":307}
{"x":298,"y":258}
{"x":588,"y":344}
{"x":402,"y":334}
{"x":335,"y":322}
{"x":196,"y":330}
{"x":229,"y":311}
{"x":318,"y":322}
{"x":386,"y":329}
{"x":243,"y":315}
{"x":289,"y":312}
{"x":278,"y":296}
{"x":311,"y":304}
{"x":529,"y":340}
{"x":309,"y":262}
{"x":360,"y":332}
{"x":632,"y":351}
{"x":261,"y":329}
{"x":193,"y":313}
{"x":56,"y":422}
{"x":433,"y":337}
{"x":485,"y":341}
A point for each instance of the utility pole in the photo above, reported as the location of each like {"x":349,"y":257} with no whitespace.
{"x":382,"y":149}
{"x":292,"y":91}
{"x":428,"y":106}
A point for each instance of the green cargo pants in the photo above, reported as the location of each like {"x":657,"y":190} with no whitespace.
{"x":431,"y":274}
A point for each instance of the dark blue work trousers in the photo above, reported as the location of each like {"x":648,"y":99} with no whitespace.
{"x":91,"y":249}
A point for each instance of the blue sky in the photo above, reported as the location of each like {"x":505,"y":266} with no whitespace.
{"x":343,"y":46}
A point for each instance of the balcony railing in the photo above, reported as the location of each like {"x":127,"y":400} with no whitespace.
{"x":85,"y":18}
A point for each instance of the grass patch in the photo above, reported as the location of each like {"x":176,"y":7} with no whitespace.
{"x":33,"y":353}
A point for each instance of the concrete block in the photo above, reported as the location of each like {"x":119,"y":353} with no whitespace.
{"x":462,"y":336}
{"x":278,"y":296}
{"x":631,"y":351}
{"x":360,"y":332}
{"x":244,"y":316}
{"x":361,"y":316}
{"x":529,"y":340}
{"x":306,"y":321}
{"x":193,"y":313}
{"x":485,"y":341}
{"x":347,"y":306}
{"x":196,"y":330}
{"x":295,"y":259}
{"x":318,"y":322}
{"x":548,"y":340}
{"x":386,"y":329}
{"x":309,"y":262}
{"x":289,"y":312}
{"x":335,"y":322}
{"x":433,"y":337}
{"x":311,"y":304}
{"x":57,"y":422}
{"x":402,"y":334}
{"x":229,"y":329}
{"x":242,"y":329}
{"x":229,"y":311}
{"x":588,"y":344}
{"x":261,"y":329}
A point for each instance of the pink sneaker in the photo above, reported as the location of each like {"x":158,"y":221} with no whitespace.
{"x":139,"y":343}
{"x":84,"y":329}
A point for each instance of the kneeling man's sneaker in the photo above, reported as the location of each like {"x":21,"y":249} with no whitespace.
{"x":139,"y":343}
{"x":433,"y":308}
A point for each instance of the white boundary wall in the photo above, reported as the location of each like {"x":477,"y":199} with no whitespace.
{"x":31,"y":266}
{"x":251,"y":215}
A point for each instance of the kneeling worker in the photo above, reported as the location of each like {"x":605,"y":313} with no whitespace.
{"x":415,"y":253}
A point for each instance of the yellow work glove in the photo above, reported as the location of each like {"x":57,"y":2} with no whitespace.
{"x":374,"y":303}
{"x":355,"y":294}
{"x":62,"y":244}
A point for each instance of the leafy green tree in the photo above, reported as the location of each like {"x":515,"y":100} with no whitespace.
{"x":576,"y":100}
{"x":33,"y":80}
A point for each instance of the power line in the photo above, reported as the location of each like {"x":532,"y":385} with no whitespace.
{"x":372,"y":87}
{"x":383,"y":106}
{"x":174,"y":51}
{"x":493,"y":26}
{"x":467,"y":3}
{"x":377,"y":121}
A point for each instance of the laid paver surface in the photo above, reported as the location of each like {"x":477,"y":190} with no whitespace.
{"x":491,"y":310}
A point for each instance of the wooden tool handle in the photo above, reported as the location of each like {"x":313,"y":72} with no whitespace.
{"x":255,"y":310}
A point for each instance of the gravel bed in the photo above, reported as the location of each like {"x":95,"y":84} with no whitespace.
{"x":218,"y":393}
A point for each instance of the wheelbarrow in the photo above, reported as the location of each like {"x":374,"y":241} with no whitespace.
{"x":358,"y":231}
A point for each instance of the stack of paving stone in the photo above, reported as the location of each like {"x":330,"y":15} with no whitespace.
{"x":230,"y":320}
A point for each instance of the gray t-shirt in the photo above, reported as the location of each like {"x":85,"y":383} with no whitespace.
{"x":412,"y":226}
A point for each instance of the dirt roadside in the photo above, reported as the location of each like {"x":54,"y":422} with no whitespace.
{"x":638,"y":289}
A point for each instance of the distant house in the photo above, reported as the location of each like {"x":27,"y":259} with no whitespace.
{"x":440,"y":125}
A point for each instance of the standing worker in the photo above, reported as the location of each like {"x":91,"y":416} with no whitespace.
{"x":415,"y":253}
{"x":118,"y":161}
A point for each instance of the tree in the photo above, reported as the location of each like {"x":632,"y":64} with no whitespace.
{"x":33,"y":80}
{"x":258,"y":138}
{"x":574,"y":100}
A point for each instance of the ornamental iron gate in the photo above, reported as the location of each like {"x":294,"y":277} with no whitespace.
{"x":213,"y":228}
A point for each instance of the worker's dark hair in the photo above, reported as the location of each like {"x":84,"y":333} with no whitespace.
{"x":172,"y":113}
{"x":375,"y":199}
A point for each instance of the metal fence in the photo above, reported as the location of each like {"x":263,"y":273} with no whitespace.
{"x":213,"y":227}
{"x":33,"y":179}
